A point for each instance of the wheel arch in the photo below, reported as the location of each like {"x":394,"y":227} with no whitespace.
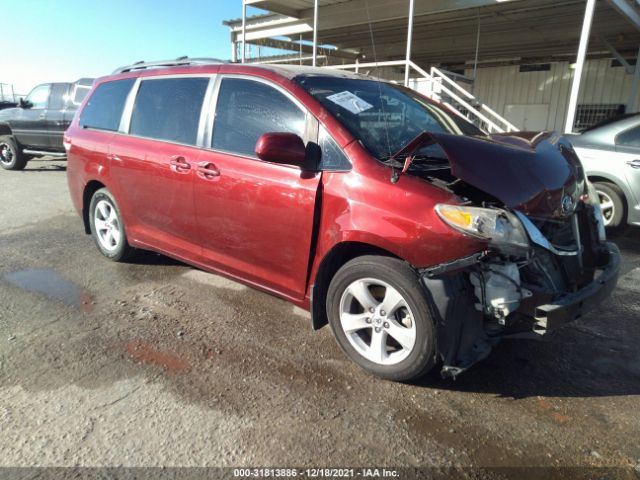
{"x":339,"y":254}
{"x":89,"y":189}
{"x":5,"y":129}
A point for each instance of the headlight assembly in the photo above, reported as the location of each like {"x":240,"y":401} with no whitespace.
{"x":499,"y":227}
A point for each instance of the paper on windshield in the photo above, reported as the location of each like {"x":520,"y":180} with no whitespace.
{"x":349,"y":101}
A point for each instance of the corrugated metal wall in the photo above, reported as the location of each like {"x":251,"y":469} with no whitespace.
{"x":601,"y":84}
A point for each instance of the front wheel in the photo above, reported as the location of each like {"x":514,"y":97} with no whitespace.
{"x":380,"y":317}
{"x":107,"y":227}
{"x":11,"y":158}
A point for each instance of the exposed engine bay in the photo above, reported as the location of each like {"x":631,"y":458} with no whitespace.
{"x":546,"y":258}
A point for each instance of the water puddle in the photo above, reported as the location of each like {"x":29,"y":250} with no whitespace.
{"x":52,"y":285}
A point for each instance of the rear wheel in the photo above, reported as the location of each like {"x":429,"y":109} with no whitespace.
{"x":380,"y":317}
{"x":11,"y":158}
{"x":611,"y":203}
{"x":107,"y":227}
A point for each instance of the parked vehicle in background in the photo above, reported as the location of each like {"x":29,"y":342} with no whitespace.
{"x":416,"y":236}
{"x":610,"y":154}
{"x":36,"y":125}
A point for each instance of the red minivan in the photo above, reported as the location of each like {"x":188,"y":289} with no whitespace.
{"x":420,"y":239}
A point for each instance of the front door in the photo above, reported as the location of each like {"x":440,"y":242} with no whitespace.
{"x":255,"y":218}
{"x":30,"y":124}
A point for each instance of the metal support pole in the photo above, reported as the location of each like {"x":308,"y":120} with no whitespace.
{"x":315,"y":31}
{"x":475,"y":62}
{"x":244,"y":30}
{"x":635,"y":84}
{"x":234,"y":51}
{"x":357,"y":65}
{"x":409,"y":39}
{"x":577,"y":74}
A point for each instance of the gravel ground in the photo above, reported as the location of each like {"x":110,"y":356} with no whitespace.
{"x":154,"y":363}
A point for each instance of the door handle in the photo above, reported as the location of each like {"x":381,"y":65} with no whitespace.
{"x":634,"y":163}
{"x":114,"y":157}
{"x":41,"y":115}
{"x":208,"y":170}
{"x":179,"y":164}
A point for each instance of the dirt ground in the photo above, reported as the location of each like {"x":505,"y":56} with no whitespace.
{"x":156,"y":363}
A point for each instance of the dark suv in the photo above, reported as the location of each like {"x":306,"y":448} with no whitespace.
{"x":419,"y":238}
{"x":36,"y":125}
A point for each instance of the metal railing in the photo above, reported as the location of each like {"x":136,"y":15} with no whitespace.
{"x":7,"y":94}
{"x":444,"y":90}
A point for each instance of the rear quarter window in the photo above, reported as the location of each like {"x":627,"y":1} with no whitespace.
{"x":629,"y":138}
{"x":169,"y":109}
{"x":79,"y":94}
{"x":104,"y":109}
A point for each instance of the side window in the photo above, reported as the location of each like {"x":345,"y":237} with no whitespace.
{"x":39,"y":96}
{"x":629,"y":138}
{"x":246,"y":109}
{"x":56,"y":99}
{"x":332,"y":157}
{"x":169,"y":109}
{"x":79,"y":93}
{"x":104,"y":108}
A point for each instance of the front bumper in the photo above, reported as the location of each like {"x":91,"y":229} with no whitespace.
{"x":573,"y":305}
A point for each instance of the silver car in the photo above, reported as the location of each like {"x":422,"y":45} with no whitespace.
{"x":610,"y":154}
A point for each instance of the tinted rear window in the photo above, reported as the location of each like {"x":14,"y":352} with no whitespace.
{"x":169,"y":109}
{"x":56,"y":99}
{"x":104,"y":109}
{"x":80,"y":91}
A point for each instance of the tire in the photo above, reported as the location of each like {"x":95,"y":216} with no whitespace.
{"x":404,"y":336}
{"x":107,"y":227}
{"x":612,"y":203}
{"x":11,"y":158}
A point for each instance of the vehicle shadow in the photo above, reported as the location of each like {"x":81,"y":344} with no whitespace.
{"x":45,"y":168}
{"x":627,"y":238}
{"x":593,"y":357}
{"x":146,"y":257}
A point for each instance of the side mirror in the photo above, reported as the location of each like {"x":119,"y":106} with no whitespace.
{"x":281,"y":147}
{"x":23,"y":103}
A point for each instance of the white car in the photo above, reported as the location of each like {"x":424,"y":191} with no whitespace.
{"x":610,"y":154}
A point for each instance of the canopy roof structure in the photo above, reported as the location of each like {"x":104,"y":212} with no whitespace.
{"x":418,"y":34}
{"x":445,"y":32}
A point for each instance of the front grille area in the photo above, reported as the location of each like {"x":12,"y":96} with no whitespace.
{"x":570,"y":234}
{"x":558,"y":231}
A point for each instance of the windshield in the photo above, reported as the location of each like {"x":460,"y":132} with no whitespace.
{"x":384,"y":116}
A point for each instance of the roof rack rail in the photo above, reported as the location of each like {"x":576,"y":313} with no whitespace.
{"x":141,"y":65}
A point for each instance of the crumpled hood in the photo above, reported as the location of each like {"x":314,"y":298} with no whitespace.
{"x":527,"y":171}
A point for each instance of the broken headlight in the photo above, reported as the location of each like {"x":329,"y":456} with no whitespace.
{"x":499,"y":227}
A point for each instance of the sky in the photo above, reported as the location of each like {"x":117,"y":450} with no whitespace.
{"x":63,"y":40}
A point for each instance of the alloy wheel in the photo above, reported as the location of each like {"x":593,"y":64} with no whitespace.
{"x":377,"y":321}
{"x":607,"y":206}
{"x":107,"y":225}
{"x":6,"y":154}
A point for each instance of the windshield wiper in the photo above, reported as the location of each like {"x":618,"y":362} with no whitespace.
{"x":407,"y":153}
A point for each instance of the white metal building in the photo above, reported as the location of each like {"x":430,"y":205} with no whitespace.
{"x":527,"y":64}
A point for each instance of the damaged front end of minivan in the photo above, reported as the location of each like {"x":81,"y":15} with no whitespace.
{"x":546,"y":260}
